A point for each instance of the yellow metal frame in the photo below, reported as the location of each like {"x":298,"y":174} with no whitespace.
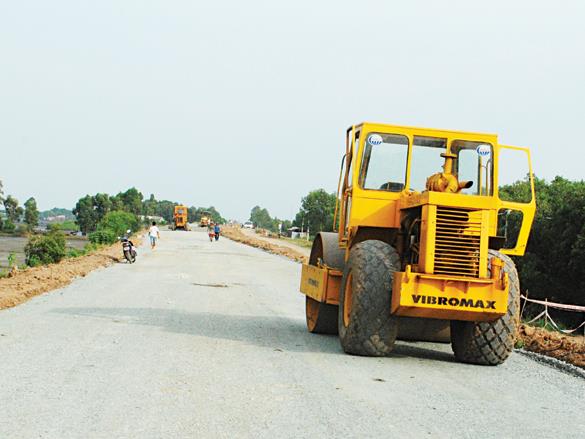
{"x":321,"y":283}
{"x":528,"y":209}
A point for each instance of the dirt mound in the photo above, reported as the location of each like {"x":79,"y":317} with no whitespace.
{"x":236,"y":234}
{"x":34,"y":281}
{"x":568,"y":348}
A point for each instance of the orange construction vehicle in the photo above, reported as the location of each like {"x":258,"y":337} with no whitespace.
{"x":181,"y":218}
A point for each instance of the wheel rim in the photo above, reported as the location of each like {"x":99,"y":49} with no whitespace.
{"x":347,"y":300}
{"x":312,"y":312}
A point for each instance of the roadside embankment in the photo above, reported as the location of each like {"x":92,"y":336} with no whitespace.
{"x":236,"y":234}
{"x":568,"y":348}
{"x":38,"y":280}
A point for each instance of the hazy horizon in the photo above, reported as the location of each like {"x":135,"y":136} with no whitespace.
{"x":237,"y":104}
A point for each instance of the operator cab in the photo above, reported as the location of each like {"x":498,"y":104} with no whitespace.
{"x":386,"y":159}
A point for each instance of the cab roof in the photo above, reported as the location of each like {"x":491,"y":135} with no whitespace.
{"x":422,"y":130}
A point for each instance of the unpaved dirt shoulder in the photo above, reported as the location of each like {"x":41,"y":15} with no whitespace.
{"x":236,"y":234}
{"x":268,"y":237}
{"x":567,"y":348}
{"x":34,"y":281}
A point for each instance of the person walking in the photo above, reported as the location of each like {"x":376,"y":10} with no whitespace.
{"x":154,"y":234}
{"x":210,"y":231}
{"x":216,"y":230}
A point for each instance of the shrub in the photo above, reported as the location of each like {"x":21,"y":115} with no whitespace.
{"x":90,"y":247}
{"x":74,"y":253}
{"x":104,"y":236}
{"x":118,"y":222}
{"x":45,"y":249}
{"x":53,"y":227}
{"x":8,"y":226}
{"x":68,"y":225}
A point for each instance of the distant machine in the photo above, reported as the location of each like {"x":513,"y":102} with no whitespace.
{"x":205,"y":219}
{"x":181,"y":218}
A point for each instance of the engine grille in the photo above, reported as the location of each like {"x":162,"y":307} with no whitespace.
{"x":457,"y":242}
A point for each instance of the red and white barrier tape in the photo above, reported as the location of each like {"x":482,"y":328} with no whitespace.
{"x":547,"y":316}
{"x":575,"y":308}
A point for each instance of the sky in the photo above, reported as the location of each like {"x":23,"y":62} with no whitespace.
{"x":236,"y":104}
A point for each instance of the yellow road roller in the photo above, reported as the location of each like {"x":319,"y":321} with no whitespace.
{"x":421,"y":249}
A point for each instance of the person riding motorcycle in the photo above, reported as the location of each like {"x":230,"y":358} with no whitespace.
{"x":128,"y":247}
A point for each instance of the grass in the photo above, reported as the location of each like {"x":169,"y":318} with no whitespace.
{"x":541,"y":323}
{"x":89,"y":248}
{"x":66,"y":226}
{"x":299,"y":242}
{"x":11,"y":263}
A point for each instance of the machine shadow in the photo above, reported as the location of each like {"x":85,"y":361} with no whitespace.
{"x":264,"y":331}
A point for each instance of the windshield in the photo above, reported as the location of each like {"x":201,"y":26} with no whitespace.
{"x":385,"y":157}
{"x":426,"y":160}
{"x":474,"y":163}
{"x":384,"y":162}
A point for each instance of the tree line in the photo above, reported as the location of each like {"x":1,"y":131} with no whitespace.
{"x":90,"y":210}
{"x":15,"y":214}
{"x":315,"y":214}
{"x":553,"y":266}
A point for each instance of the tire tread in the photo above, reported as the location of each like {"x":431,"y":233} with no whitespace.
{"x":490,"y":343}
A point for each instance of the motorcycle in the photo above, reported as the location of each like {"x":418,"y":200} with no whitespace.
{"x":128,"y":248}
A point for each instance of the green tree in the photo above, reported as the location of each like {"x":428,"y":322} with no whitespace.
{"x":13,"y":210}
{"x":149,"y":206}
{"x":552,"y":266}
{"x":56,"y":211}
{"x":119,"y":222}
{"x":31,"y":213}
{"x":102,"y":205}
{"x":85,"y":214}
{"x":195,"y":214}
{"x":286,"y":224}
{"x":215,"y":215}
{"x":316,"y":213}
{"x":45,"y":249}
{"x":261,"y":218}
{"x":105,"y":236}
{"x":117,"y":203}
{"x":132,"y":201}
{"x":166,"y":209}
{"x":90,"y":210}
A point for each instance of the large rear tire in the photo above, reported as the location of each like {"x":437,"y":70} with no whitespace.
{"x":322,"y":317}
{"x":490,"y":343}
{"x":366,"y":326}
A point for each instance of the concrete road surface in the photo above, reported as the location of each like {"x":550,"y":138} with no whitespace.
{"x":208,"y":340}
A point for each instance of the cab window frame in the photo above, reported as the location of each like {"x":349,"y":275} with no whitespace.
{"x":363,"y":169}
{"x":477,"y":191}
